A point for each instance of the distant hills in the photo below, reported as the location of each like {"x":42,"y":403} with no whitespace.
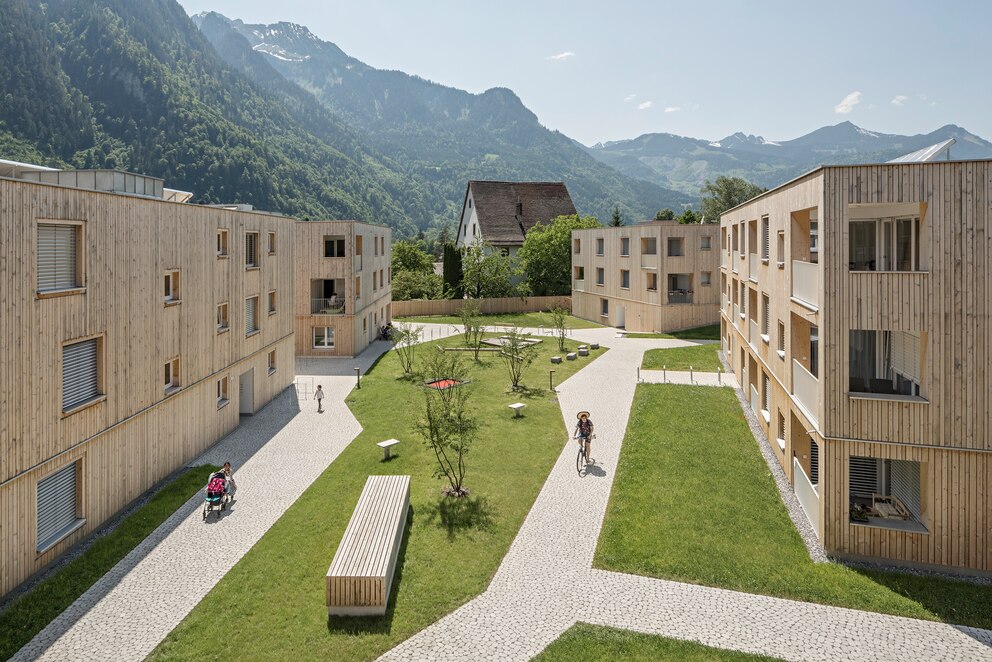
{"x":685,"y":163}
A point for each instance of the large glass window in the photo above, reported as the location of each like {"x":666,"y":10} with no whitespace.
{"x":323,"y":337}
{"x":885,"y":362}
{"x":885,"y":244}
{"x":885,"y":492}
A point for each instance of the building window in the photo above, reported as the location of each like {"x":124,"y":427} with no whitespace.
{"x":604,"y":307}
{"x":885,"y":244}
{"x":251,"y":250}
{"x":705,"y":278}
{"x":358,"y":287}
{"x":223,"y":323}
{"x":580,"y":273}
{"x":272,"y":302}
{"x":365,"y":324}
{"x":222,"y":243}
{"x":58,"y":502}
{"x":81,"y":373}
{"x":675,"y":246}
{"x":780,"y":249}
{"x":780,"y":430}
{"x":885,"y":362}
{"x":600,"y":275}
{"x":649,"y":246}
{"x":222,"y":398}
{"x":172,"y":287}
{"x":765,"y":315}
{"x":323,"y":337}
{"x":705,"y":242}
{"x":765,"y":387}
{"x":625,"y":279}
{"x":60,"y":258}
{"x":272,"y":243}
{"x":272,"y":361}
{"x":600,"y":250}
{"x":885,"y":492}
{"x":624,"y":246}
{"x":382,"y":275}
{"x":251,"y":316}
{"x":358,"y":244}
{"x":375,"y":281}
{"x":764,"y":238}
{"x":334,"y":247}
{"x":652,"y":281}
{"x":743,"y":237}
{"x":576,"y":246}
{"x":781,"y":339}
{"x":172,"y":382}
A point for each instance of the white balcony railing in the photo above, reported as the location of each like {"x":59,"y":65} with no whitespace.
{"x":806,"y":282}
{"x":755,"y":401}
{"x":679,"y":296}
{"x":358,"y":263}
{"x":752,"y":333}
{"x":737,"y":315}
{"x":752,"y":266}
{"x":809,"y":499}
{"x":734,"y":261}
{"x":580,"y":285}
{"x":649,"y":261}
{"x":806,"y":389}
{"x":723,"y":258}
{"x":333,"y":306}
{"x":723,"y":301}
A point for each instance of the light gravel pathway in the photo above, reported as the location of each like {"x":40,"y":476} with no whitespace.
{"x":546,"y":583}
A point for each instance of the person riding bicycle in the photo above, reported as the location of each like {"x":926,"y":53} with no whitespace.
{"x":583,"y":432}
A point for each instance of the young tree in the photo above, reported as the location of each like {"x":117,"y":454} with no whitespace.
{"x":405,"y":339}
{"x":725,"y":193}
{"x":487,"y":272}
{"x":688,"y":217}
{"x":471,"y":314}
{"x":447,"y":428}
{"x":416,"y":285}
{"x":546,"y":255}
{"x":665,"y":214}
{"x":559,"y":316}
{"x":617,"y":219}
{"x":409,"y":255}
{"x":517,"y":354}
{"x":453,"y":271}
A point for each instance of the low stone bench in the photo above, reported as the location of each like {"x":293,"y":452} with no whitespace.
{"x":385,"y":446}
{"x":361,"y":574}
{"x":583,"y":351}
{"x":516,"y":407}
{"x":594,"y":345}
{"x":570,"y":356}
{"x":556,"y":359}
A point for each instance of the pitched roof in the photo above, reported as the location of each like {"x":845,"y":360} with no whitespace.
{"x":506,"y":210}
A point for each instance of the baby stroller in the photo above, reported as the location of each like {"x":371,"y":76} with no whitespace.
{"x":217,"y":496}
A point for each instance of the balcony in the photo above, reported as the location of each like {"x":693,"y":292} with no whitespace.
{"x":734,"y":261}
{"x":737,"y":314}
{"x":723,"y":259}
{"x":331,"y":306}
{"x":679,"y":296}
{"x":755,"y":400}
{"x":806,"y":390}
{"x":752,"y":334}
{"x":649,"y":261}
{"x":752,"y":266}
{"x":807,"y":493}
{"x":723,"y":301}
{"x":579,"y":285}
{"x":806,"y":283}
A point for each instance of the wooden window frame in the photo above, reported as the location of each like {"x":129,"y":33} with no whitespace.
{"x":80,"y":287}
{"x":223,"y":392}
{"x":173,"y":371}
{"x":223,"y":244}
{"x":223,"y":317}
{"x":173,"y":281}
{"x":251,"y":250}
{"x":101,"y":361}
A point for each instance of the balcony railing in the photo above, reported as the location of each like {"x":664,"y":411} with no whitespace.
{"x":755,"y":401}
{"x":806,"y":389}
{"x":806,"y":282}
{"x":752,"y":333}
{"x":734,"y":261}
{"x":649,"y":261}
{"x":326,"y":307}
{"x":737,"y":315}
{"x":679,"y":296}
{"x":358,"y":263}
{"x":752,"y":266}
{"x":723,"y":301}
{"x":806,"y":491}
{"x":580,"y":285}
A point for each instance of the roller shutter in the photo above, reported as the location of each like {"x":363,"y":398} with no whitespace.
{"x":56,"y":257}
{"x":864,"y":476}
{"x":79,"y":373}
{"x":906,"y":354}
{"x":251,"y":315}
{"x":904,"y":482}
{"x":56,"y":505}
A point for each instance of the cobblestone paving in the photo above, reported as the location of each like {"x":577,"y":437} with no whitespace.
{"x":546,"y":583}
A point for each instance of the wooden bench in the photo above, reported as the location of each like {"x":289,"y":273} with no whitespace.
{"x":385,"y":446}
{"x":361,"y":574}
{"x":516,"y":407}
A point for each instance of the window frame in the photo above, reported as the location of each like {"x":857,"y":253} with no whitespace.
{"x":173,"y":283}
{"x":251,"y":250}
{"x":101,"y":392}
{"x":223,"y":317}
{"x":625,"y":279}
{"x":271,"y":243}
{"x":313,"y":337}
{"x":79,"y":520}
{"x":223,"y":392}
{"x":223,"y":244}
{"x":258,"y":324}
{"x":271,"y":302}
{"x":173,"y":376}
{"x":272,"y":361}
{"x":79,"y":282}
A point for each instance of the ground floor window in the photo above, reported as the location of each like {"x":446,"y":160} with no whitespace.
{"x":58,"y":505}
{"x":604,"y":307}
{"x":323,"y":337}
{"x":885,"y":492}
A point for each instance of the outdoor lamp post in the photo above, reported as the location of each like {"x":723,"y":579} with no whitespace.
{"x":358,"y":378}
{"x":551,"y":379}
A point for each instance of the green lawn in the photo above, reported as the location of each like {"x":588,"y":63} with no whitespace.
{"x":30,"y":613}
{"x":693,"y":501}
{"x":711,"y":332}
{"x":593,"y":642}
{"x":271,"y":603}
{"x":529,"y":320}
{"x":699,"y":357}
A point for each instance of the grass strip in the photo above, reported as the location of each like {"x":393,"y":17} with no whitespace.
{"x":709,"y":332}
{"x":528,"y":320}
{"x":698,"y":357}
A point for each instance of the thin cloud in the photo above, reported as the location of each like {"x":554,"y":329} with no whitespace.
{"x":561,"y":56}
{"x":672,"y":109}
{"x":899,"y":100}
{"x":848,"y":103}
{"x":629,"y":98}
{"x":644,"y":105}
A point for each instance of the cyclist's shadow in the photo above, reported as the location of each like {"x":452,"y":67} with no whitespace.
{"x":595,"y":470}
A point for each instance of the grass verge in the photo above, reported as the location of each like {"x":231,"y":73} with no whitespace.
{"x":529,"y":320}
{"x":30,"y":613}
{"x":699,"y":357}
{"x":673,"y":514}
{"x":593,"y":642}
{"x":272,"y":602}
{"x":710,"y":332}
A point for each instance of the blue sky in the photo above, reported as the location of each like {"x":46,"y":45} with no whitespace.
{"x":612,"y":70}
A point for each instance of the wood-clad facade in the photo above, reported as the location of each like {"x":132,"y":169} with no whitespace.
{"x":150,"y":279}
{"x":343,"y":282}
{"x":879,"y":352}
{"x":651,"y":277}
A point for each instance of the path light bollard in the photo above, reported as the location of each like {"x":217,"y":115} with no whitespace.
{"x":358,"y":378}
{"x":718,"y":380}
{"x":638,"y":374}
{"x":690,"y":375}
{"x":551,"y":379}
{"x":664,"y":373}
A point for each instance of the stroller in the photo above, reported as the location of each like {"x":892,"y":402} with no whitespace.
{"x":217,"y":496}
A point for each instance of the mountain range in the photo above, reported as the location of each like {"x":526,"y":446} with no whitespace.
{"x":685,"y":164}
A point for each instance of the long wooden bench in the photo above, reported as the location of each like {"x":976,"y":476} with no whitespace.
{"x":361,"y":574}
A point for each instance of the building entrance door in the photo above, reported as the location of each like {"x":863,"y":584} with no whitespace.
{"x":246,"y":393}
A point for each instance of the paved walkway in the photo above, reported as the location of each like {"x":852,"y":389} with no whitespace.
{"x":546,"y":582}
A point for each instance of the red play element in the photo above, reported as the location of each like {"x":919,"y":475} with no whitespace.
{"x":443,"y":383}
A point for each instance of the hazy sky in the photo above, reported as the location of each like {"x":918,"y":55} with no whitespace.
{"x":610,"y":70}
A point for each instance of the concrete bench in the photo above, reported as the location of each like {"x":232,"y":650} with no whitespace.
{"x":386,"y":445}
{"x":361,"y":574}
{"x":556,"y":359}
{"x":583,"y":351}
{"x":570,"y":356}
{"x":594,"y":345}
{"x":516,"y":407}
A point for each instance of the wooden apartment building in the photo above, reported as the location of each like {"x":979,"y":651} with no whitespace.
{"x":135,"y":332}
{"x":855,"y":312}
{"x":652,"y":277}
{"x":343,"y":286}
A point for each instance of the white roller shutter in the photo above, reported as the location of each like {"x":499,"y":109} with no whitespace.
{"x":864,"y":476}
{"x":79,"y":373}
{"x":56,"y":257}
{"x":904,"y":482}
{"x":251,"y":315}
{"x":906,"y":354}
{"x":56,"y":505}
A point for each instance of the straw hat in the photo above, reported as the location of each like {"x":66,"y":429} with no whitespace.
{"x":581,"y":414}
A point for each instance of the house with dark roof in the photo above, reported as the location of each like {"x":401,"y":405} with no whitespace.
{"x":501,"y":213}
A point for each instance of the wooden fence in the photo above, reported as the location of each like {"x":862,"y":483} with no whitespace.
{"x":420,"y":307}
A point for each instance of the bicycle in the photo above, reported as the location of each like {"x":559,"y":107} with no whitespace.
{"x":580,"y":459}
